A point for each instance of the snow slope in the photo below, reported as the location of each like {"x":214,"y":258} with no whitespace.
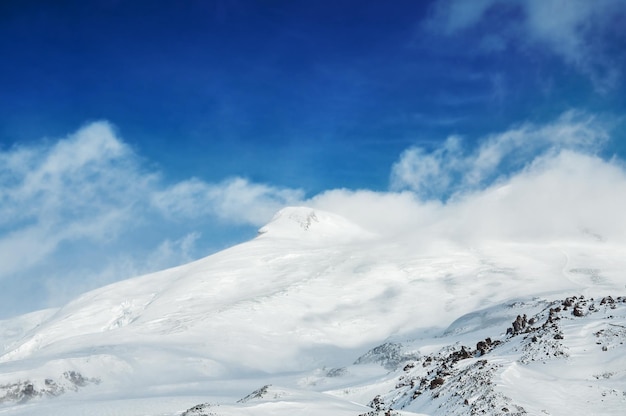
{"x":295,"y":307}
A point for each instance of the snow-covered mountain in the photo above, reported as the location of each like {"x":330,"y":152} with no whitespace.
{"x":320,"y":316}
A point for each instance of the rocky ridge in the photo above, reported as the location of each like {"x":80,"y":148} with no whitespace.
{"x":463,"y":379}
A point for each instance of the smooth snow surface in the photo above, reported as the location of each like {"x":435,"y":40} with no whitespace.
{"x":298,"y":305}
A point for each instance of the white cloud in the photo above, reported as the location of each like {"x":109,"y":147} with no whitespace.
{"x":565,"y":196}
{"x":450,"y":168}
{"x":90,"y":189}
{"x":236,"y":200}
{"x":556,"y":189}
{"x":559,"y":196}
{"x":81,"y":187}
{"x":428,"y":173}
{"x":385,"y":213}
{"x":574,"y":30}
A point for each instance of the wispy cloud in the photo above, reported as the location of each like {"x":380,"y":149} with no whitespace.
{"x":90,"y":188}
{"x":81,"y":187}
{"x":451,"y":167}
{"x":236,"y":200}
{"x":576,"y":30}
{"x":451,"y":16}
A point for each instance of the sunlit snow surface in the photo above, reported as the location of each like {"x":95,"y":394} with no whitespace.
{"x":294,"y":308}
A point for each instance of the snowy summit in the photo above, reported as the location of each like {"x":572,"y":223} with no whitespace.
{"x":311,"y":224}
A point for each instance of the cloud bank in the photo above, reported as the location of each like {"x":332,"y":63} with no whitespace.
{"x":532,"y":183}
{"x":573,"y":30}
{"x":566,"y":196}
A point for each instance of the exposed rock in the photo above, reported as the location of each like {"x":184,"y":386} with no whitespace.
{"x":200,"y":410}
{"x":390,"y":355}
{"x":257,"y":394}
{"x":607,"y":300}
{"x":336,"y":372}
{"x":436,"y":383}
{"x":578,"y":311}
{"x":23,"y":391}
{"x":377,"y":403}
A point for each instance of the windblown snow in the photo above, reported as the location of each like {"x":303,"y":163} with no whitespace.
{"x":318,"y":315}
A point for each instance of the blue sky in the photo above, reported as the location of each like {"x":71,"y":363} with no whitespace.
{"x":136,"y":135}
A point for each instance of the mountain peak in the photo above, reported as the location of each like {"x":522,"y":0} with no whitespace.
{"x":304,"y":222}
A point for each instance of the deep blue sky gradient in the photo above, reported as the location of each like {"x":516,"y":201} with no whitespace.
{"x":329,"y":92}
